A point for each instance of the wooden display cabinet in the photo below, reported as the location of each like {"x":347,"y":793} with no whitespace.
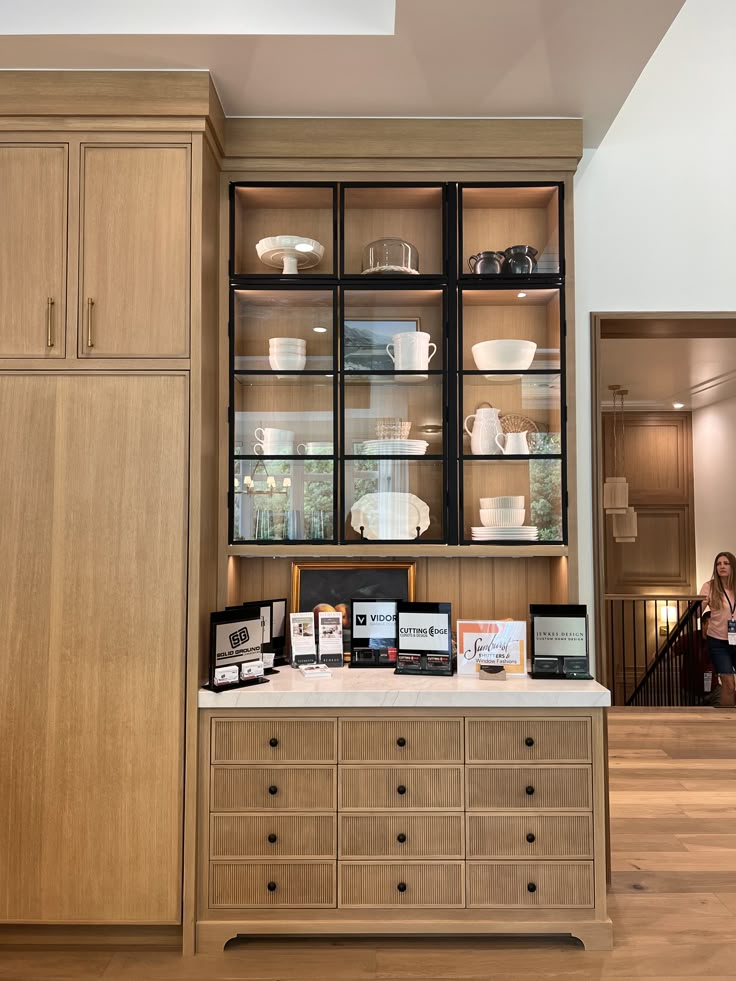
{"x":358,"y":316}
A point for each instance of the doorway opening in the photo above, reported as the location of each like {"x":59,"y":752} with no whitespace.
{"x":679,"y":424}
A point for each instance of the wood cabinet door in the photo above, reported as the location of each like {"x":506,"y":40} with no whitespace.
{"x":33,"y":229}
{"x":92,"y":633}
{"x":134,"y":252}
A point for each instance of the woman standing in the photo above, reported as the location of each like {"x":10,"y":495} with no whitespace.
{"x":719,"y":594}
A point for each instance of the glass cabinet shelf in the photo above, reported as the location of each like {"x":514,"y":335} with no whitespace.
{"x":355,"y":386}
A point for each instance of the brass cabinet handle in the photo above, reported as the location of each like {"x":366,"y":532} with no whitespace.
{"x":49,"y":321}
{"x":90,"y":304}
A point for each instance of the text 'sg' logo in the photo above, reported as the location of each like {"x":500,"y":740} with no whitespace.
{"x":239,"y":637}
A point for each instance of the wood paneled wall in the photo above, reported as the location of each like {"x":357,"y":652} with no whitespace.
{"x":494,"y":588}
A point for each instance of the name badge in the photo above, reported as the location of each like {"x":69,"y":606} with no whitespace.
{"x":732,"y":632}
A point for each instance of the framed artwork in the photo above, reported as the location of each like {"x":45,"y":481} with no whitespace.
{"x":364,"y":347}
{"x":328,"y":587}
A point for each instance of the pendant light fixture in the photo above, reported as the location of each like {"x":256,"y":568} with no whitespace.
{"x":616,"y":488}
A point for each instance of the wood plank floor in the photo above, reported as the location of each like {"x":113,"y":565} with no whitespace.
{"x":672,"y":899}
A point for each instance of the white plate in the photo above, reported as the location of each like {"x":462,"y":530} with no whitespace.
{"x":390,"y":515}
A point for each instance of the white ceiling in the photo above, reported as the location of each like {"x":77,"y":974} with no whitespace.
{"x":659,"y":371}
{"x":468,"y":58}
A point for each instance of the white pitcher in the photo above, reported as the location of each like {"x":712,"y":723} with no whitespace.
{"x":514,"y":444}
{"x":486,"y":426}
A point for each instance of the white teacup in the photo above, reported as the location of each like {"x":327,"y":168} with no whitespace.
{"x":512,"y":443}
{"x":273,"y":449}
{"x":411,"y":350}
{"x":315,"y":448}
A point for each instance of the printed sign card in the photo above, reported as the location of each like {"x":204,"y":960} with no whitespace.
{"x":330,"y":639}
{"x":560,"y":641}
{"x":303,"y":644}
{"x":501,"y":643}
{"x":424,"y":641}
{"x":236,"y":647}
{"x":373,"y":633}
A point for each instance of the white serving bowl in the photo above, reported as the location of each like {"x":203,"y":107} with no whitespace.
{"x":287,"y":342}
{"x":502,"y":517}
{"x":287,"y":362}
{"x":502,"y":502}
{"x":503,"y":355}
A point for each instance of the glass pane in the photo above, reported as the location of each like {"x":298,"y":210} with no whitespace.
{"x":375,"y":318}
{"x":512,"y":501}
{"x":267,"y":212}
{"x":283,"y":329}
{"x":394,"y":500}
{"x":378,"y":218}
{"x":495,"y":219}
{"x":506,"y":330}
{"x":393,"y":415}
{"x":526,"y":405}
{"x":283,"y":415}
{"x":283,"y":500}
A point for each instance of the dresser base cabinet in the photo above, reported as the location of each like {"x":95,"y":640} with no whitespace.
{"x":480,"y":821}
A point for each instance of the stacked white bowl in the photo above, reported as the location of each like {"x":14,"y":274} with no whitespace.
{"x":513,"y":501}
{"x":502,"y":517}
{"x":287,"y":353}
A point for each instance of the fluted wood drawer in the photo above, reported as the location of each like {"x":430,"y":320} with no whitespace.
{"x":530,"y":836}
{"x":248,"y":884}
{"x":273,"y":835}
{"x":405,"y":787}
{"x":401,"y":740}
{"x":401,"y":836}
{"x":537,"y":787}
{"x":528,"y":740}
{"x":401,"y":884}
{"x":273,"y":741}
{"x":530,"y":884}
{"x":282,"y":788}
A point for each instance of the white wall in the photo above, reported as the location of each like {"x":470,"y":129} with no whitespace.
{"x":714,"y":438}
{"x":655,"y":206}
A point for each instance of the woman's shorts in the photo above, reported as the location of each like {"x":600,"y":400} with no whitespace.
{"x":722,"y":654}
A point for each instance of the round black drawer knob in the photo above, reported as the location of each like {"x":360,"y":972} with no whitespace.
{"x":530,"y":791}
{"x":531,"y":887}
{"x":274,"y":790}
{"x":273,"y":838}
{"x":401,"y":789}
{"x":531,"y":838}
{"x":401,"y":838}
{"x":271,"y":887}
{"x":273,"y":741}
{"x":401,"y":741}
{"x":529,"y":741}
{"x":401,"y":887}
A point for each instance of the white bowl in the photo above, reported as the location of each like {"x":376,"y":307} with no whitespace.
{"x":503,"y":355}
{"x":502,"y":502}
{"x":502,"y":517}
{"x":287,"y":342}
{"x":287,"y":362}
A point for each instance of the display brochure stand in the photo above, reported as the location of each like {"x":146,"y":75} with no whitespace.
{"x":559,"y":641}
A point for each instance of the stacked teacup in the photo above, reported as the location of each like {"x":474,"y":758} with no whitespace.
{"x":287,"y":353}
{"x":274,"y":442}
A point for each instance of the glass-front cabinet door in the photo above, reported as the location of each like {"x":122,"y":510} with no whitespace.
{"x":397,"y":364}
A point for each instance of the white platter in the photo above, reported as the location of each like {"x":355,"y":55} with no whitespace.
{"x":390,"y":515}
{"x":390,"y":269}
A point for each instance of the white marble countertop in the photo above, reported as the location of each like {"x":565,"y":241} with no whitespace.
{"x":381,"y":688}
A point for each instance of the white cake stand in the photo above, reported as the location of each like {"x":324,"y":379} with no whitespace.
{"x":290,"y":253}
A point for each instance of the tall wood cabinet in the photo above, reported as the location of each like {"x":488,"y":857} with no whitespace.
{"x":107,"y":339}
{"x":94,"y":505}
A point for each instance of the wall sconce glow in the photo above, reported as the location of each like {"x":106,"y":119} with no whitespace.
{"x":319,"y":330}
{"x":521,"y":295}
{"x":678,"y":405}
{"x":668,"y":614}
